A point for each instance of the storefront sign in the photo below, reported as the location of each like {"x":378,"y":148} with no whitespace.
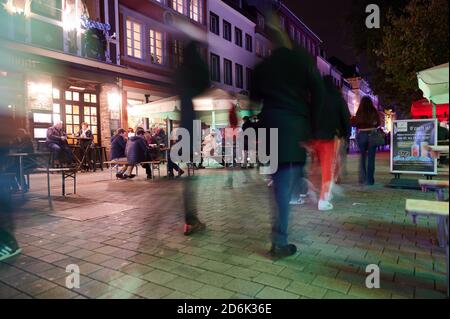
{"x":91,"y":24}
{"x":409,"y":141}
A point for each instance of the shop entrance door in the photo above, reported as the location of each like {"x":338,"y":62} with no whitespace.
{"x":76,"y":107}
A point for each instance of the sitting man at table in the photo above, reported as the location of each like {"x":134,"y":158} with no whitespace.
{"x":137,"y":151}
{"x":57,"y":142}
{"x":118,"y":145}
{"x":86,"y":137}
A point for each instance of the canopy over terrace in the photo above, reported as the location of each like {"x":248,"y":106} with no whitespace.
{"x":211,"y":107}
{"x":434,"y":84}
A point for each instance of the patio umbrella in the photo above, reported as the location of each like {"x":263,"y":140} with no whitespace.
{"x":434,"y":84}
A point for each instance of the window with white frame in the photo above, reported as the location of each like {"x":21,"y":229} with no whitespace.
{"x":179,"y":6}
{"x":156,"y":47}
{"x":196,"y":10}
{"x":134,"y":43}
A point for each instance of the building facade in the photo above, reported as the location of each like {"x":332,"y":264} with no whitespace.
{"x":231,"y":47}
{"x":87,"y":61}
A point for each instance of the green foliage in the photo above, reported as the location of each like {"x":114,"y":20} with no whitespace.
{"x":411,"y":38}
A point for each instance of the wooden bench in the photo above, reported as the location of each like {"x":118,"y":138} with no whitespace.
{"x":155,"y":166}
{"x":433,"y":209}
{"x":65,"y":174}
{"x":439,"y":186}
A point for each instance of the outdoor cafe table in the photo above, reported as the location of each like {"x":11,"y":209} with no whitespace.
{"x":84,"y":151}
{"x":32,"y":156}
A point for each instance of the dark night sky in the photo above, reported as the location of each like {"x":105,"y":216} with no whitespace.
{"x":327,"y":18}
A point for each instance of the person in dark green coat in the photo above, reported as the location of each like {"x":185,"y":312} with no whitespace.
{"x":291,"y":92}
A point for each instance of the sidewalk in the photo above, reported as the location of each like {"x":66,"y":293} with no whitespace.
{"x":134,"y":246}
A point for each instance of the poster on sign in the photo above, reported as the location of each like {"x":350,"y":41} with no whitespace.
{"x":409,"y":146}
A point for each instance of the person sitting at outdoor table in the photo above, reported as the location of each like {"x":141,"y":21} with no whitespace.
{"x":118,"y":145}
{"x":85,"y":135}
{"x":137,"y":151}
{"x":56,"y":141}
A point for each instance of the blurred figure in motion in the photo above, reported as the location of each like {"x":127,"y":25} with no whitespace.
{"x":230,"y":137}
{"x":331,"y":124}
{"x":8,"y":244}
{"x":367,"y":122}
{"x":290,"y":89}
{"x":192,"y":79}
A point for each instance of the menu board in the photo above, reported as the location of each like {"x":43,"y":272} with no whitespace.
{"x":409,"y":146}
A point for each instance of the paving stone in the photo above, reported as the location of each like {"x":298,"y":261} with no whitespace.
{"x":211,"y":292}
{"x":273,"y":293}
{"x":306,"y":290}
{"x":332,"y":284}
{"x":184,"y":285}
{"x":271,"y":280}
{"x":245,"y":287}
{"x":153,"y":291}
{"x":159,"y":277}
{"x":214,"y":279}
{"x":242,"y":273}
{"x":57,"y":293}
{"x":128,"y":283}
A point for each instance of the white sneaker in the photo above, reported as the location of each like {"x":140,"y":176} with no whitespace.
{"x":325,"y":205}
{"x":299,"y":201}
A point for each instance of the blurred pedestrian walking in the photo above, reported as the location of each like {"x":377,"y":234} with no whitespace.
{"x":330,"y":124}
{"x":284,"y":82}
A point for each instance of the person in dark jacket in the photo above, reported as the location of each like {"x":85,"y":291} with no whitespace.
{"x":118,"y":145}
{"x":332,"y":123}
{"x":137,"y":151}
{"x":57,"y":142}
{"x":367,"y":121}
{"x":291,"y":90}
{"x":192,"y":79}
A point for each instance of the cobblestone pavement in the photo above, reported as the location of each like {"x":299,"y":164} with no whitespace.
{"x":138,"y":250}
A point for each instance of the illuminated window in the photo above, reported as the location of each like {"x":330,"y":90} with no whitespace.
{"x":156,"y":47}
{"x":179,"y":6}
{"x":196,"y":10}
{"x":134,"y":44}
{"x":55,"y":93}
